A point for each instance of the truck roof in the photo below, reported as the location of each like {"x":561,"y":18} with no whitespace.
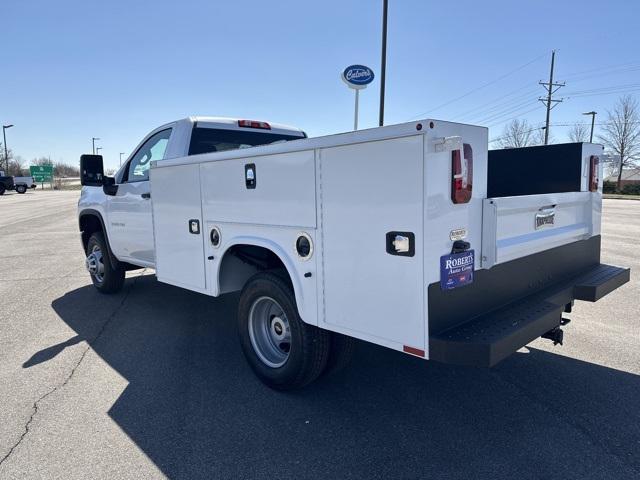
{"x":232,"y":124}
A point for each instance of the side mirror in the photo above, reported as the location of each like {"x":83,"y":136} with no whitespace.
{"x":91,"y":170}
{"x":109,"y":186}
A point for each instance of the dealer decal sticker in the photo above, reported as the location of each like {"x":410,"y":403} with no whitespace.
{"x":456,"y":269}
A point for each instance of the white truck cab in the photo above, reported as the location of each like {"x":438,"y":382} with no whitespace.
{"x":127,"y":214}
{"x":410,"y":236}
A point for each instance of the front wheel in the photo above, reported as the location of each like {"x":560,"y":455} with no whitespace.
{"x":21,"y":188}
{"x":283,"y":351}
{"x":105,"y":277}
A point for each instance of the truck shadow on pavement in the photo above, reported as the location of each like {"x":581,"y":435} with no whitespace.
{"x":194,"y":407}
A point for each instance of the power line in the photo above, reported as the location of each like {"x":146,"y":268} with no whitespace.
{"x":502,"y":106}
{"x":566,"y":124}
{"x":611,"y":87}
{"x":496,"y":139}
{"x":614,"y":92}
{"x":478,"y":88}
{"x":602,"y":73}
{"x":600,"y":69}
{"x":507,"y":111}
{"x":513,"y":118}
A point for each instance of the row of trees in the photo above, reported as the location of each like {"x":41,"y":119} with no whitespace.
{"x":620,"y":135}
{"x":18,"y":166}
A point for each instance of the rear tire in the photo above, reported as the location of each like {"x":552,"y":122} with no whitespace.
{"x":2,"y":189}
{"x":341,"y":349}
{"x":21,"y":188}
{"x":104,"y":276}
{"x":284,"y":352}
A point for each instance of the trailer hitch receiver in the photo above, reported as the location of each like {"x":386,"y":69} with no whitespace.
{"x":555,"y":335}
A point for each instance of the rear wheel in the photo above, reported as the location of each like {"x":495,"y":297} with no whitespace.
{"x":2,"y":189}
{"x":21,"y":188}
{"x":104,"y":276}
{"x":282,"y":350}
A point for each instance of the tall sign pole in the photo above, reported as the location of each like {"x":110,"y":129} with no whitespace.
{"x":355,"y":115}
{"x":357,"y":77}
{"x":383,"y":63}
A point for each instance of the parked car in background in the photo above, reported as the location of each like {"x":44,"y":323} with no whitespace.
{"x":23,"y":183}
{"x":6,"y":183}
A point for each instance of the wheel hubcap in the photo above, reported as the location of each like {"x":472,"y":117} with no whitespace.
{"x":269,"y":332}
{"x":95,"y":264}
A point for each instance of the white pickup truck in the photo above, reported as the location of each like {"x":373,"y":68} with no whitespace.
{"x":410,"y":236}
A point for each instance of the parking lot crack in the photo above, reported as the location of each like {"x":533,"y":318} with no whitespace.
{"x":36,"y":405}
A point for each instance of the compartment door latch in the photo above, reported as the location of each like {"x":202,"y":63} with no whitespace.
{"x":402,"y":244}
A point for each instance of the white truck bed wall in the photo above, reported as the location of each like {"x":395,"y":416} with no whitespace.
{"x":347,"y":192}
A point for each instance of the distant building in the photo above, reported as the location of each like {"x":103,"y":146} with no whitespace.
{"x":630,"y":176}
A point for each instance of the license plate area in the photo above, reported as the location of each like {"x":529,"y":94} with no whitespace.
{"x":456,"y":269}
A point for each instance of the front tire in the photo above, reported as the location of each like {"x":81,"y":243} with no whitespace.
{"x":282,"y":350}
{"x":105,"y":277}
{"x":21,"y":189}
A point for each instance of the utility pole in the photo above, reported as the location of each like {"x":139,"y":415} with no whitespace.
{"x":593,"y":122}
{"x":93,"y":144}
{"x":383,"y":67}
{"x":549,"y":101}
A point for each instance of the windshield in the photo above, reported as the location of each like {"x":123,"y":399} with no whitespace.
{"x":205,"y":140}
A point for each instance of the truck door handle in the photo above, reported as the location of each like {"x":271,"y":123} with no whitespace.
{"x":145,"y":195}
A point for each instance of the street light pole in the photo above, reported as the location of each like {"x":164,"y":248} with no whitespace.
{"x":593,"y":122}
{"x":6,"y":154}
{"x":93,"y":144}
{"x":98,"y":150}
{"x":383,"y":67}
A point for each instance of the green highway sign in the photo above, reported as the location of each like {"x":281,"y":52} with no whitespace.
{"x":42,"y":173}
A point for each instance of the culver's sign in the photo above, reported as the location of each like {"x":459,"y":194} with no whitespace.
{"x":357,"y":76}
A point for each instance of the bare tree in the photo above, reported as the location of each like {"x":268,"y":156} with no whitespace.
{"x":517,"y":133}
{"x":16,"y":165}
{"x":538,"y":137}
{"x":61,"y":169}
{"x":41,"y":161}
{"x":579,"y":133}
{"x":621,"y":134}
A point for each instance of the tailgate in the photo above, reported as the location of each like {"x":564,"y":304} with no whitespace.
{"x":514,"y":227}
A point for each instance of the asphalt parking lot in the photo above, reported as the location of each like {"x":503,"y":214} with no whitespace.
{"x":151,"y":383}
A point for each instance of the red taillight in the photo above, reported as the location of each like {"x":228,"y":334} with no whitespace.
{"x":594,"y":163}
{"x":254,"y":124}
{"x":461,"y":174}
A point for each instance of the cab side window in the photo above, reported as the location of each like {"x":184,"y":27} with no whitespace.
{"x":152,"y":149}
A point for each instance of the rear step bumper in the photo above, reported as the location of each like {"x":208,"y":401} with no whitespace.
{"x":489,"y":338}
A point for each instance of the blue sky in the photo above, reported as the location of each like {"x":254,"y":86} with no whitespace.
{"x":115,"y":70}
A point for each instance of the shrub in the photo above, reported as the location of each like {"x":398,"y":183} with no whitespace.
{"x":631,"y":189}
{"x":609,"y":187}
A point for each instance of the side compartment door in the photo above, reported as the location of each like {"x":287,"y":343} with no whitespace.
{"x":178,"y":229}
{"x":370,"y":192}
